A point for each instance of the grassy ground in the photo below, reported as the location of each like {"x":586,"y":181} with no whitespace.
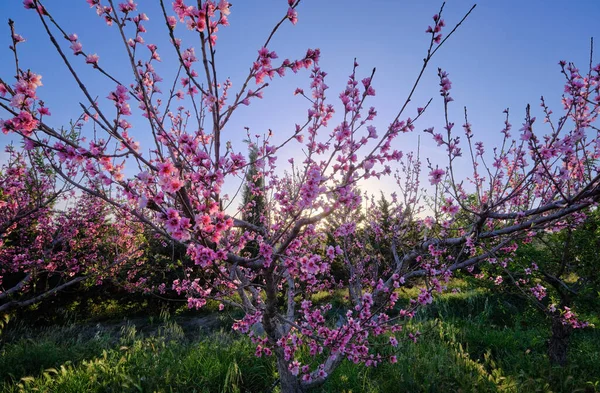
{"x":471,"y":342}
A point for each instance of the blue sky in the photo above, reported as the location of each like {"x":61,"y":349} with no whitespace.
{"x":504,"y":55}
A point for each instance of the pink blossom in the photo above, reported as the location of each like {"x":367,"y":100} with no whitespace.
{"x":224,"y":7}
{"x":435,"y":176}
{"x":292,"y":15}
{"x":76,"y":47}
{"x":127,"y":6}
{"x":92,"y":59}
{"x":445,"y":85}
{"x":172,"y":21}
{"x":44,"y":111}
{"x":331,"y":252}
{"x":17,"y":38}
{"x":24,"y":123}
{"x":294,"y":367}
{"x":425,"y":297}
{"x":538,"y":291}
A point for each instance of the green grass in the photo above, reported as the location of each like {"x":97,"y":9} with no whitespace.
{"x":36,"y":350}
{"x":472,"y":341}
{"x":450,"y":356}
{"x":166,"y":362}
{"x":459,"y":356}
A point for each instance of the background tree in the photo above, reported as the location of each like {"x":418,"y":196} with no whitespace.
{"x":46,"y":248}
{"x":253,"y":197}
{"x":557,"y":272}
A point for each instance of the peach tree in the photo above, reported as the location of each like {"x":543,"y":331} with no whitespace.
{"x":174,"y":180}
{"x":51,"y":241}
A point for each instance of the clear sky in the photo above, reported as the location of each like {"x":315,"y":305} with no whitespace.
{"x":504,"y":55}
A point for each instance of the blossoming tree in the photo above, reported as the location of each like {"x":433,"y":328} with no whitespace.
{"x":46,"y":248}
{"x":556,"y":271}
{"x":176,"y":185}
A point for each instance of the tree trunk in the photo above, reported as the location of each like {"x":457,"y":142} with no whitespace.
{"x":559,"y":342}
{"x":289,"y":383}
